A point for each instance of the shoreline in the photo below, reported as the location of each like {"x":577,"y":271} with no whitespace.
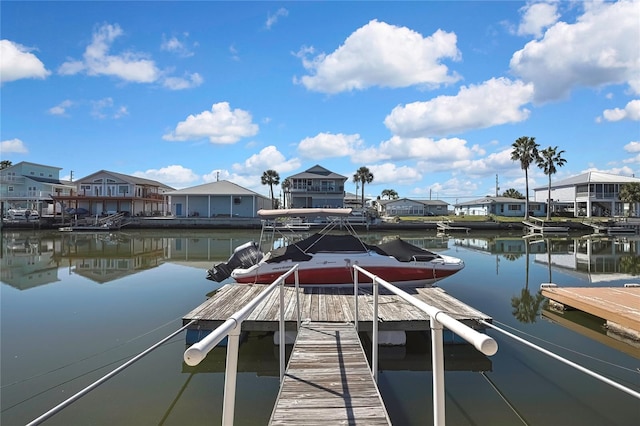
{"x":255,"y":223}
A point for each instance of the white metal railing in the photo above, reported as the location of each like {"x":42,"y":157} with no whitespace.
{"x":232,"y":327}
{"x":438,"y":319}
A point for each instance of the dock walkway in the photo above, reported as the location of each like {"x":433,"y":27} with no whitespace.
{"x":541,"y":227}
{"x":335,"y":305}
{"x":328,"y":380}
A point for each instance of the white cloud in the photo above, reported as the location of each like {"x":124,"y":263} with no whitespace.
{"x":494,"y":102}
{"x":379,"y":54}
{"x":61,"y":108}
{"x":175,"y":176}
{"x":177,"y":46}
{"x":329,"y":145}
{"x":128,"y":66}
{"x":221,"y":125}
{"x":632,"y":147}
{"x":437,"y":151}
{"x":536,"y":17}
{"x":18,"y":62}
{"x":105,"y":108}
{"x":391,"y":173}
{"x":630,"y":112}
{"x":269,"y":158}
{"x":189,"y":81}
{"x":13,"y":146}
{"x":272,"y":19}
{"x":593,"y":52}
{"x":451,"y":188}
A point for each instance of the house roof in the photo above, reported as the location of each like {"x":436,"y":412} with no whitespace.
{"x":591,"y":177}
{"x":495,"y":200}
{"x":425,"y":202}
{"x":222,"y":187}
{"x":126,"y":178}
{"x":317,"y":171}
{"x":21,"y":163}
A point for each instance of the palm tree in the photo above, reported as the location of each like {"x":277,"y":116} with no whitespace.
{"x":4,"y":164}
{"x":363,"y":175}
{"x":513,"y":193}
{"x":525,"y":150}
{"x":629,"y":193}
{"x":286,"y":188}
{"x":271,"y":177}
{"x":391,"y":194}
{"x":548,"y":160}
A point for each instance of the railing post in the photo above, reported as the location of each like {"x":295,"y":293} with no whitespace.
{"x":230,"y":375}
{"x":282,"y":331}
{"x":355,"y":295}
{"x":374,"y":323}
{"x":297,"y":281}
{"x":437,"y":362}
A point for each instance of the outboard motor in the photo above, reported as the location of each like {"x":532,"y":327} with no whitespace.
{"x":243,"y":256}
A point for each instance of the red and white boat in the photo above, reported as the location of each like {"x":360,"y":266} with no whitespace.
{"x":327,"y":259}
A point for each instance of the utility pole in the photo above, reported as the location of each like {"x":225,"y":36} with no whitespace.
{"x":497,"y":187}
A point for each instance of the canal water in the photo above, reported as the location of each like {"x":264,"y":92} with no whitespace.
{"x":75,"y":306}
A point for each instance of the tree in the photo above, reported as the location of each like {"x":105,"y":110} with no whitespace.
{"x":391,"y":194}
{"x":4,"y":164}
{"x":525,"y":150}
{"x":363,"y":175}
{"x":548,"y":159}
{"x":271,"y":177}
{"x":629,"y":193}
{"x":286,"y":188}
{"x":513,"y":193}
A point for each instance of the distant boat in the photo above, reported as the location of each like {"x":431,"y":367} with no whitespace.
{"x":326,"y":259}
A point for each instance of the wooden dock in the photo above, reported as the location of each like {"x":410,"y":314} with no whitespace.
{"x":541,"y":227}
{"x":335,"y":305}
{"x":328,"y":381}
{"x":618,"y":306}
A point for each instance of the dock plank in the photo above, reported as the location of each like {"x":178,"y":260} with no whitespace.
{"x":327,"y":305}
{"x":328,"y":381}
{"x":615,"y":304}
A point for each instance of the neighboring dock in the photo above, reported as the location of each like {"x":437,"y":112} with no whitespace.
{"x":328,"y":380}
{"x":335,"y":305}
{"x":537,"y":226}
{"x":619,"y":307}
{"x":444,"y":226}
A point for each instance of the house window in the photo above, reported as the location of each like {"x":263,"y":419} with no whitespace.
{"x":123,"y":189}
{"x":237,"y":200}
{"x":515,"y":207}
{"x":10,"y":188}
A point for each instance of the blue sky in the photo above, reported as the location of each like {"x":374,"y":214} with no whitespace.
{"x":428,"y":95}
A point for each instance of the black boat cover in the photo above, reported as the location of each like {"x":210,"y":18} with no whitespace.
{"x":302,"y":250}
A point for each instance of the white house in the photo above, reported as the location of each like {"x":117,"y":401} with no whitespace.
{"x":500,"y":206}
{"x":589,"y":194}
{"x":30,"y":186}
{"x":408,"y":207}
{"x":217,"y":199}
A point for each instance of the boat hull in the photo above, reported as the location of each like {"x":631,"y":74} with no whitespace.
{"x":337,"y":270}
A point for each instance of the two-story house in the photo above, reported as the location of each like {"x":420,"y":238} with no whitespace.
{"x":316,"y":187}
{"x":30,"y":186}
{"x":589,"y":194}
{"x":106,"y":192}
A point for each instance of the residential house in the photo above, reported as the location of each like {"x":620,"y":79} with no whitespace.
{"x":316,"y":187}
{"x":408,"y":207}
{"x":30,"y":186}
{"x":589,"y":194}
{"x":106,"y":192}
{"x":217,"y":199}
{"x":499,"y":206}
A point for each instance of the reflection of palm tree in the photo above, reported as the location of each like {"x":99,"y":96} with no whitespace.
{"x":526,"y":307}
{"x":630,"y":265}
{"x":512,"y":256}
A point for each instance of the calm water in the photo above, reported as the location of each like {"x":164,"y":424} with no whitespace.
{"x":76,"y":306}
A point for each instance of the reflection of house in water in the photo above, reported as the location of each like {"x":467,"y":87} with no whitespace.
{"x":596,"y":259}
{"x":26,"y":261}
{"x":104,"y":257}
{"x":428,"y":243}
{"x":498,"y":245}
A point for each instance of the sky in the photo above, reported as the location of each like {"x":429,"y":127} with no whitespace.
{"x":428,"y":95}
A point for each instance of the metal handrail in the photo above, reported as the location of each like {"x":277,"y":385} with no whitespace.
{"x":232,"y":327}
{"x":438,"y":319}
